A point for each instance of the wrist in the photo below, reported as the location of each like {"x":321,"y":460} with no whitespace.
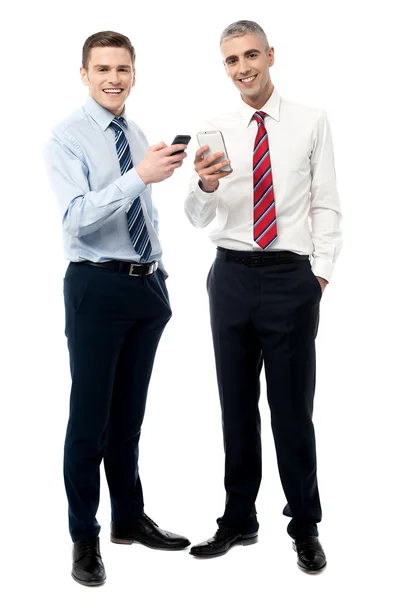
{"x":206,"y":189}
{"x":141,"y":173}
{"x":322,"y":279}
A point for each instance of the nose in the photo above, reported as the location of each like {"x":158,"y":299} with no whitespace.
{"x":244,"y":67}
{"x":114,"y":77}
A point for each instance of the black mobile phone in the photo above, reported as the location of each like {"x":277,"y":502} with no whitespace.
{"x":180,"y":139}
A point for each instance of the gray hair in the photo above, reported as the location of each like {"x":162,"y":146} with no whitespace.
{"x":240,"y":28}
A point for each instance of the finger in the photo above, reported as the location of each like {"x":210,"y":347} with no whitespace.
{"x":222,"y":174}
{"x":213,"y":177}
{"x":200,"y":152}
{"x":177,"y":158}
{"x":215,"y":168}
{"x":199,"y":155}
{"x":210,"y":159}
{"x":177,"y":165}
{"x":175,"y":148}
{"x":205,"y":162}
{"x":157,"y":147}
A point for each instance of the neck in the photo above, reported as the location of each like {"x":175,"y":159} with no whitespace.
{"x":118,"y":112}
{"x":259,"y":101}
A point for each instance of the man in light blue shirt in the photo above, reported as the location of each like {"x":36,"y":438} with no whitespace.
{"x":101,"y":170}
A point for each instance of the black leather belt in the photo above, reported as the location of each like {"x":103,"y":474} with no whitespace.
{"x":132,"y":269}
{"x":259,"y":259}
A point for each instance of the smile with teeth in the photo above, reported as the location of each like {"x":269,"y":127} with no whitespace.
{"x":248,"y":79}
{"x":113,"y":91}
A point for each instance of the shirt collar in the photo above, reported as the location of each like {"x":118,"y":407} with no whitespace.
{"x":101,"y":115}
{"x":271,"y":108}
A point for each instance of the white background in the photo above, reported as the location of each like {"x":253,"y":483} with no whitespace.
{"x":337,"y":55}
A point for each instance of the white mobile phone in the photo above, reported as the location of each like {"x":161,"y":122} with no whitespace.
{"x":215,"y":141}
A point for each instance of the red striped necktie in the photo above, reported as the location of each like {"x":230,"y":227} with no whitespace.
{"x":265,"y":226}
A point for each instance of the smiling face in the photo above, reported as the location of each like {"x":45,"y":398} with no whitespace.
{"x":247,"y":63}
{"x":110,"y":75}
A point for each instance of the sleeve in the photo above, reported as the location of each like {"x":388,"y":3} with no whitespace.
{"x":156,"y":219}
{"x":200,"y":207}
{"x":325,"y":211}
{"x":84,"y":211}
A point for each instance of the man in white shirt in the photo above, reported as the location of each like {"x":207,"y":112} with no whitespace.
{"x":264,"y":293}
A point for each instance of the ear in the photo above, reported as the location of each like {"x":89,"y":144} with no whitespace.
{"x":271,"y":56}
{"x":83,"y":76}
{"x":134,"y":78}
{"x":226,"y":69}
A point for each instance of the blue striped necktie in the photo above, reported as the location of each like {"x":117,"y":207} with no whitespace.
{"x":135,"y":217}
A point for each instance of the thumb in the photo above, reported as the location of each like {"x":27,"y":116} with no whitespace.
{"x":157,"y":147}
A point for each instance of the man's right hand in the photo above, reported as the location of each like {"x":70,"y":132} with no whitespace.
{"x":158,"y":164}
{"x":209,"y":176}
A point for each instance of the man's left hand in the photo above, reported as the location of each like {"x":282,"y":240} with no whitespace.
{"x":323,"y":283}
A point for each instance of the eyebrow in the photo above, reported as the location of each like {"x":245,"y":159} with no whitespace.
{"x":247,"y":53}
{"x":107,"y":67}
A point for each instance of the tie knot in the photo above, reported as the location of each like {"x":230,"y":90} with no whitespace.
{"x":117,"y":123}
{"x":259,"y":116}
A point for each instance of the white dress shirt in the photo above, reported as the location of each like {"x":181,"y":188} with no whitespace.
{"x":302,"y":160}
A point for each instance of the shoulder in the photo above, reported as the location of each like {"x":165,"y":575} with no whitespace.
{"x":70,"y":132}
{"x":298,"y":112}
{"x":69,"y":126}
{"x":221,"y":120}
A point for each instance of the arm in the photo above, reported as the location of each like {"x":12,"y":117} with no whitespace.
{"x":202,"y":199}
{"x":325,"y":211}
{"x":156,"y":219}
{"x":84,"y":211}
{"x":200,"y":207}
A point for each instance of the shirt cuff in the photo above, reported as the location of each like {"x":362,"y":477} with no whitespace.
{"x":131,"y":184}
{"x":322,"y":268}
{"x":205,"y":199}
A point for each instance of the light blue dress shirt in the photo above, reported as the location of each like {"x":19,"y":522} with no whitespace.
{"x":93,"y":197}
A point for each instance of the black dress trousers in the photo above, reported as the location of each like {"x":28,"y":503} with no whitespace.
{"x":267,"y":315}
{"x":113,"y":324}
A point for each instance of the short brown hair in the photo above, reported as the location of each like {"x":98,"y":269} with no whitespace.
{"x":103,"y":39}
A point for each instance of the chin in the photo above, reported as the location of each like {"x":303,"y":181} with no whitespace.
{"x":251,"y":95}
{"x":114,"y":106}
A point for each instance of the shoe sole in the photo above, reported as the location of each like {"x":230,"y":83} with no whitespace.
{"x":246,"y":540}
{"x":130,"y":541}
{"x":313,"y":571}
{"x":309,"y":571}
{"x":88,"y":583}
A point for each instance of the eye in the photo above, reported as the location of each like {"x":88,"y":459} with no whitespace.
{"x":231,"y":61}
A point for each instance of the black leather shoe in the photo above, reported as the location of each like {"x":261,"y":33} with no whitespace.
{"x":146,"y":532}
{"x":87,"y":565}
{"x":222,"y":541}
{"x":311,"y":557}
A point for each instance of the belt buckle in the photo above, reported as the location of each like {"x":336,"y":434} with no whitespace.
{"x":253,"y":261}
{"x":131,"y":271}
{"x":153,"y":267}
